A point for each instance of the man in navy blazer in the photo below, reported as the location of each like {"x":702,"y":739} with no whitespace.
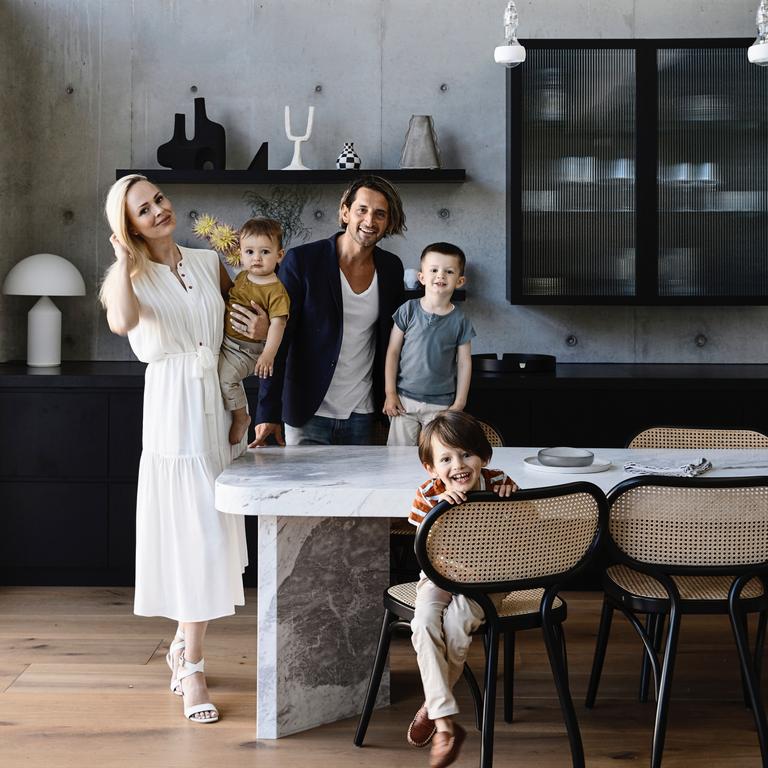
{"x":328,"y":380}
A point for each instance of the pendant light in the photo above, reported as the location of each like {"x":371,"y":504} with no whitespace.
{"x":758,"y":51}
{"x":512,"y":53}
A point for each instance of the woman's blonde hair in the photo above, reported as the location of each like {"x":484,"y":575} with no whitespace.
{"x":117,"y":216}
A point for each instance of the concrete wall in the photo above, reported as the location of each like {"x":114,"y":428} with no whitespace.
{"x":92,"y":85}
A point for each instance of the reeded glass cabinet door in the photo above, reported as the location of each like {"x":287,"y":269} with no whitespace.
{"x":576,"y":235}
{"x":712,"y":145}
{"x":637,"y":174}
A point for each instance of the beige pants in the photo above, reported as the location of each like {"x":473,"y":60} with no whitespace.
{"x":441,"y":629}
{"x":236,"y":361}
{"x":405,"y":429}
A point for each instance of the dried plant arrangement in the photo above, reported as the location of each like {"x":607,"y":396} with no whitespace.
{"x":285,"y":204}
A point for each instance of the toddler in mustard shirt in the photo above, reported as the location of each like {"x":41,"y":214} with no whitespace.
{"x":261,"y":250}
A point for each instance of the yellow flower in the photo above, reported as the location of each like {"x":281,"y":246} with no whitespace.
{"x":232,"y":257}
{"x":204,"y":225}
{"x":221,"y":237}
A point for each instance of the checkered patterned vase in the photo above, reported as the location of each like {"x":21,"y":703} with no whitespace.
{"x":348,"y":160}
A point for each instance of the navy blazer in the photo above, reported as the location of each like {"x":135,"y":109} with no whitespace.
{"x":306,"y":360}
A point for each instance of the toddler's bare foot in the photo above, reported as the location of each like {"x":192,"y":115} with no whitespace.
{"x":240,"y":422}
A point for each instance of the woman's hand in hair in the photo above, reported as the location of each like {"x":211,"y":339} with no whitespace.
{"x":122,"y":254}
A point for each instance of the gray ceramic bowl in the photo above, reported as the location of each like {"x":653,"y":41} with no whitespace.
{"x":565,"y":457}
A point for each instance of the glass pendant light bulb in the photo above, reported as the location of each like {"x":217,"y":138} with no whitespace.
{"x":758,"y":51}
{"x":762,"y":22}
{"x":511,"y":23}
{"x":511,"y":54}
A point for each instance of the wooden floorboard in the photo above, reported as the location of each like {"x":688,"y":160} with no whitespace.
{"x":83,"y":683}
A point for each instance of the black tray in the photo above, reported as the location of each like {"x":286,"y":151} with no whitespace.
{"x":511,"y":362}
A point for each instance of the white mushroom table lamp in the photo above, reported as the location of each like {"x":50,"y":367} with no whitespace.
{"x":44,"y":275}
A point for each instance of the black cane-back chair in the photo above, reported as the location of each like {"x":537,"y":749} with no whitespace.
{"x":528,"y":546}
{"x":686,"y":546}
{"x":692,"y":439}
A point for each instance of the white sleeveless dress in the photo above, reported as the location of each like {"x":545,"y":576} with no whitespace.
{"x":189,"y":557}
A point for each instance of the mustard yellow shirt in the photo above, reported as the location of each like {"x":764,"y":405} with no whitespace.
{"x":272,"y":298}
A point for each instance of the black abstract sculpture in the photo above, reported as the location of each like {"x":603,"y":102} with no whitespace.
{"x":205,"y":150}
{"x":260,"y":160}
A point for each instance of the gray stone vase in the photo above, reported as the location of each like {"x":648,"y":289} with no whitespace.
{"x":421,"y":149}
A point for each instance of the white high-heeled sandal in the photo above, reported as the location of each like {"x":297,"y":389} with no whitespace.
{"x":187,"y":669}
{"x":178,"y":644}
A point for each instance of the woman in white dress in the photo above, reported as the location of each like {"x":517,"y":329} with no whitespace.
{"x":168,"y":300}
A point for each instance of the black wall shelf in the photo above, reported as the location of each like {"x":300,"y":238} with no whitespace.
{"x":459,"y":294}
{"x":325,"y":176}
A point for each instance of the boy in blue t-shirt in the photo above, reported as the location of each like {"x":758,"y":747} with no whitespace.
{"x":429,"y":358}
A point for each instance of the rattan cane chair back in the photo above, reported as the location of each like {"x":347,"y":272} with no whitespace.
{"x":691,"y":438}
{"x":682,"y":527}
{"x":380,"y":433}
{"x":492,"y":435}
{"x":501,"y":541}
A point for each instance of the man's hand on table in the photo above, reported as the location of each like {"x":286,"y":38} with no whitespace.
{"x":263,"y":431}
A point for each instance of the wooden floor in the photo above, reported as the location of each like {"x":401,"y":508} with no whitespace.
{"x":83,"y":682}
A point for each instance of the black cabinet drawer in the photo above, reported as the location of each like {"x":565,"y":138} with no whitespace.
{"x":53,"y":525}
{"x":122,"y":526}
{"x":53,"y":435}
{"x":509,"y":413}
{"x":125,"y":414}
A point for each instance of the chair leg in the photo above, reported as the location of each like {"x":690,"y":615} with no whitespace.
{"x":489,"y":696}
{"x":645,"y":672}
{"x":563,"y":649}
{"x":655,"y":628}
{"x":760,"y":644}
{"x":555,"y":648}
{"x":509,"y":675}
{"x":665,"y":685}
{"x":373,"y":684}
{"x":736,"y":614}
{"x":477,"y":697}
{"x":744,"y":683}
{"x":601,"y":644}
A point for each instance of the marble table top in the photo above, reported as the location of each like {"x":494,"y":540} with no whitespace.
{"x":379,"y":481}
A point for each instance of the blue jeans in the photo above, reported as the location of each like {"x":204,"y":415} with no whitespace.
{"x":320,"y":430}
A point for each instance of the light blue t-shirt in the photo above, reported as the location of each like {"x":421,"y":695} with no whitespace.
{"x":428,"y":358}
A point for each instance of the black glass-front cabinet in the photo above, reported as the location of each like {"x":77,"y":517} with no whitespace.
{"x":637,"y":174}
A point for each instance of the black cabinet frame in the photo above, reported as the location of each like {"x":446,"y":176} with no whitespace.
{"x":646,"y":210}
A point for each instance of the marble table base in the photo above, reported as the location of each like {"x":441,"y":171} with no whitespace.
{"x":319,"y":615}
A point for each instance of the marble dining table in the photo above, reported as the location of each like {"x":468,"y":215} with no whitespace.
{"x":323,"y":558}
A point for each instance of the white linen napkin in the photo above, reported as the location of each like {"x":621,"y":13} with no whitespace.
{"x":668,"y":468}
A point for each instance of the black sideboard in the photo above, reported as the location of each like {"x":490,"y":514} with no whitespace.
{"x":70,"y":440}
{"x":604,"y":405}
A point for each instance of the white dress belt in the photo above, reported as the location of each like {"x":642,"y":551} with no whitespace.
{"x":205,"y":362}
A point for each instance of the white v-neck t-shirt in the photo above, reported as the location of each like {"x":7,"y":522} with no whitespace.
{"x":350,"y":390}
